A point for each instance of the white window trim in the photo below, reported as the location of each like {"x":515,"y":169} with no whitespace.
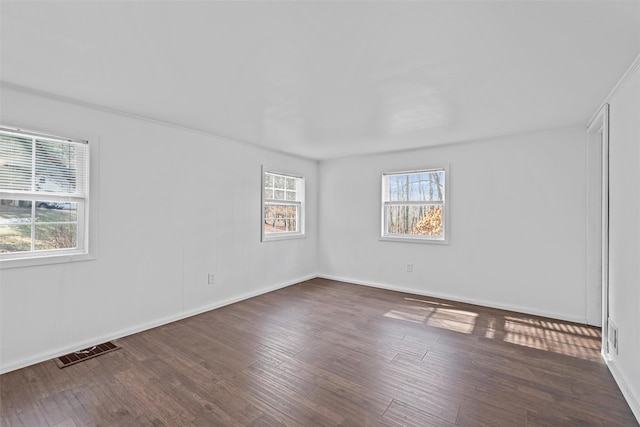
{"x":446,"y":208}
{"x":301,"y":233}
{"x":90,"y":229}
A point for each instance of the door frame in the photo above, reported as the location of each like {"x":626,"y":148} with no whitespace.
{"x":597,"y":291}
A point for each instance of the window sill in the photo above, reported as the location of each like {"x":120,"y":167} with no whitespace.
{"x":283,"y":237}
{"x":44,"y":260}
{"x":413,"y":240}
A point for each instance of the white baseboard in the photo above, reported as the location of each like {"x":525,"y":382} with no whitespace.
{"x":484,"y":303}
{"x":52,"y":354}
{"x":632,"y":400}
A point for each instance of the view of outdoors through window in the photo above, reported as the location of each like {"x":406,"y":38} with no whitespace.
{"x":282,"y":203}
{"x":47,"y":225}
{"x":42,"y":192}
{"x":414,"y":204}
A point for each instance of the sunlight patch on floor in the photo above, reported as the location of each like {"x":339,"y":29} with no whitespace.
{"x":569,"y":339}
{"x":408,"y":317}
{"x":445,"y":318}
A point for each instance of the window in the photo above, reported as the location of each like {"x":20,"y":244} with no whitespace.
{"x":282,"y":205}
{"x":413,"y":205}
{"x":43,"y":195}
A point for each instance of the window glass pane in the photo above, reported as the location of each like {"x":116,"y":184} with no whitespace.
{"x":418,"y":220}
{"x":273,"y":221}
{"x":281,"y":218}
{"x":278,"y":181}
{"x":292,"y":211}
{"x":55,"y":236}
{"x":15,"y":211}
{"x":56,"y":164}
{"x":15,"y":238}
{"x":279,"y":187}
{"x":419,"y":187}
{"x":397,"y":185}
{"x":47,"y":211}
{"x":15,"y":220}
{"x":15,"y":162}
{"x":269,"y":212}
{"x":436,"y":186}
{"x":291,"y":217}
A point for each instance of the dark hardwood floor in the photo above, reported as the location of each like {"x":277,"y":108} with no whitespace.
{"x":329,"y":353}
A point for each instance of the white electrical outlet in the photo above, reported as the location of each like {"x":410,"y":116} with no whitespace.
{"x":211,"y":279}
{"x":409,"y":268}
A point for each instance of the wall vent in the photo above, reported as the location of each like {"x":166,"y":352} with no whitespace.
{"x":85,"y":354}
{"x":612,"y":337}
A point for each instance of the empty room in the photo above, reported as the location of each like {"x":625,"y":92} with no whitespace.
{"x":319,"y":213}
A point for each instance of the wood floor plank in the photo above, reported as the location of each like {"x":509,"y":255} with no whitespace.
{"x":295,"y":406}
{"x":535,"y":419}
{"x":325,"y":353}
{"x":265,"y":420}
{"x":243,"y":394}
{"x":279,"y":379}
{"x":371,"y":401}
{"x":408,"y":415}
{"x":487,"y":413}
{"x":148,"y":398}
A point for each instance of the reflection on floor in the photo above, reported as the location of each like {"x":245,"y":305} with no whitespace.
{"x":540,"y":333}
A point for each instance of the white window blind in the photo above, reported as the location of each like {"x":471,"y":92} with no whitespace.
{"x":32,"y":165}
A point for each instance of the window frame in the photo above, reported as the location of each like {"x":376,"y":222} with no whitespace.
{"x":412,"y":238}
{"x":300,"y":202}
{"x":86,"y":240}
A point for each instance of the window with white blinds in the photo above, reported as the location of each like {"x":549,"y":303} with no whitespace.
{"x":43,"y":194}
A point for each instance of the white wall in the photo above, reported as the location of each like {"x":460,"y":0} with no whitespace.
{"x":194,"y":209}
{"x":624,"y":232}
{"x":517,"y":224}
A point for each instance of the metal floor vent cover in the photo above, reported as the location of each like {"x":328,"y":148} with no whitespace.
{"x":87,"y":353}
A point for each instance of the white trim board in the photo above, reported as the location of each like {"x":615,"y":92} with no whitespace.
{"x":43,"y":357}
{"x":456,"y":298}
{"x":633,"y":402}
{"x":617,"y":88}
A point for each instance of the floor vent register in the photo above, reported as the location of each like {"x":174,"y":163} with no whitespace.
{"x":86,"y":354}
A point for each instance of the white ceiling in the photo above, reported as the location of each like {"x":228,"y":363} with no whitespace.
{"x":328,"y":79}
